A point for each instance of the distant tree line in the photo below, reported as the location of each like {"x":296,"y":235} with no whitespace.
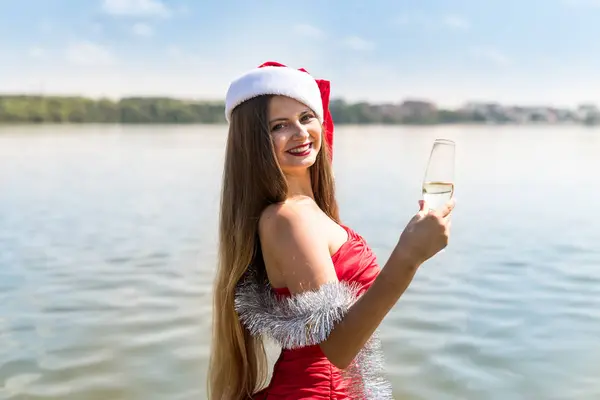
{"x":159,"y":110}
{"x":42,"y":109}
{"x":408,"y":112}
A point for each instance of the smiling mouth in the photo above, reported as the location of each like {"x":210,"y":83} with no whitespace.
{"x":301,"y":150}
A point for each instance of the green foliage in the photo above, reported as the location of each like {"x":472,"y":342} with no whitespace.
{"x":38,"y":109}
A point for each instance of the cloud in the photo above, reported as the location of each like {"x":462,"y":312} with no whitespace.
{"x":456,"y":22}
{"x":136,"y":8}
{"x":358,"y":43}
{"x":36,"y":52}
{"x":141,"y":29}
{"x":89,"y":54}
{"x":490,"y":54}
{"x":308,"y":31}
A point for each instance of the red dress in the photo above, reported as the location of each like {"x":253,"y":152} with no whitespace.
{"x":306,"y":373}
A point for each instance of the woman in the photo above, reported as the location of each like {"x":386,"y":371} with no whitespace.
{"x":288,"y":269}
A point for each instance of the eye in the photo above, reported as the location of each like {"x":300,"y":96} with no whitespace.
{"x":307,"y":117}
{"x":277,"y":127}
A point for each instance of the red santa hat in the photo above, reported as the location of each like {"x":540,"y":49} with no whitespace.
{"x":277,"y":79}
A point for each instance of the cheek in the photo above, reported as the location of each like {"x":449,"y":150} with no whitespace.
{"x":279,"y":142}
{"x":316,"y":133}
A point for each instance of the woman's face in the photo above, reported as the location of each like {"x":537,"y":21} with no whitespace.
{"x":296,"y":134}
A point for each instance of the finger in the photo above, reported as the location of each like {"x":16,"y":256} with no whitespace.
{"x":447,"y":208}
{"x":423,"y":208}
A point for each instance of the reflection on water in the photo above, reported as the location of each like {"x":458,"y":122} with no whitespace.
{"x":107,"y":239}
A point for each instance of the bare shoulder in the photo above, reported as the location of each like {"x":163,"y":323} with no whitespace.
{"x":290,"y":224}
{"x":286,"y":217}
{"x":295,"y":249}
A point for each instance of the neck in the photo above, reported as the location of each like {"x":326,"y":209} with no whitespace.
{"x":300,"y":185}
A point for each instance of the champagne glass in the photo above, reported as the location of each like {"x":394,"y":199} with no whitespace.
{"x":438,"y":185}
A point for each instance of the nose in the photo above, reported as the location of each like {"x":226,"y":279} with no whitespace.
{"x":301,"y":132}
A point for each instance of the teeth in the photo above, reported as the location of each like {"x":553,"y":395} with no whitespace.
{"x":300,"y":149}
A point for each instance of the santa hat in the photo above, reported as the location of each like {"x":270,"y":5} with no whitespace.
{"x":277,"y":79}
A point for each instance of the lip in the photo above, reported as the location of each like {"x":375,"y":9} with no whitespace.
{"x":301,"y":154}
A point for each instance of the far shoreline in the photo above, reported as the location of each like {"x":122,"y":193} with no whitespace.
{"x":64,"y":110}
{"x":461,"y":124}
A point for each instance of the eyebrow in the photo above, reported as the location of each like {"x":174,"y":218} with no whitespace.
{"x":277,"y":119}
{"x":307,"y":110}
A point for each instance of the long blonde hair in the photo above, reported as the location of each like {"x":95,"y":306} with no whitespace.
{"x":252,"y":180}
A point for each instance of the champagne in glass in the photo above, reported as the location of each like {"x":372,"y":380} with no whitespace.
{"x":438,"y":185}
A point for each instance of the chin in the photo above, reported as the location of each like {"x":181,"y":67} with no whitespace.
{"x":292,"y":168}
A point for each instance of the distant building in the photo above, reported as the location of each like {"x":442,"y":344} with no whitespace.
{"x":587,"y":111}
{"x":490,"y":112}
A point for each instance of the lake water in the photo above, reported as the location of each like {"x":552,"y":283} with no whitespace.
{"x":108,"y":244}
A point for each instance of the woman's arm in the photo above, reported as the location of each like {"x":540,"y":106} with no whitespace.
{"x":300,"y":255}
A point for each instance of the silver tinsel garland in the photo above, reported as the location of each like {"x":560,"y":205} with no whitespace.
{"x":307,"y":319}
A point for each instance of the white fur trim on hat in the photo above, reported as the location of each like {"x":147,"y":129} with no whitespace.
{"x":273,"y":80}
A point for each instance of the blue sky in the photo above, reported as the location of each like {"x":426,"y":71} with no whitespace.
{"x":450,"y":52}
